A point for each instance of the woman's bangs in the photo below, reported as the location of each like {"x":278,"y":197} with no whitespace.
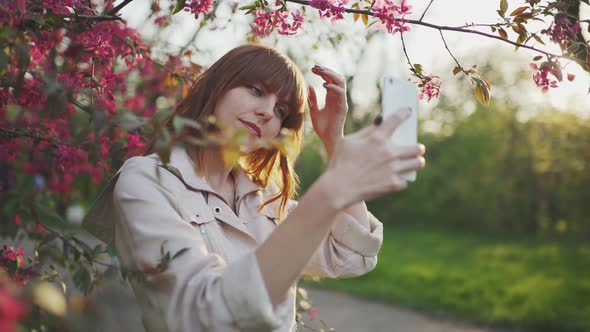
{"x":277,"y":77}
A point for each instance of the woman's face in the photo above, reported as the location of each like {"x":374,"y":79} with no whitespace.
{"x":253,"y":109}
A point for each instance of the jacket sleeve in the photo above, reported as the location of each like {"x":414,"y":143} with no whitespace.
{"x":198,"y":290}
{"x":349,"y":250}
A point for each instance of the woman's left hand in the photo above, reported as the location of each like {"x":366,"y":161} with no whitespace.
{"x":328,"y":122}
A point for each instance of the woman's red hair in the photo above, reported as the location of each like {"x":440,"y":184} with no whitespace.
{"x":247,"y":65}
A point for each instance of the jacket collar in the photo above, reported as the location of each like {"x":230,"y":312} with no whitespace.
{"x":183,"y":166}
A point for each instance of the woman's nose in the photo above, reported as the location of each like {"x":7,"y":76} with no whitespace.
{"x":266,"y":109}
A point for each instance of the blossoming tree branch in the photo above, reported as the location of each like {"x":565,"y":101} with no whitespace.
{"x":80,"y":89}
{"x":563,"y":28}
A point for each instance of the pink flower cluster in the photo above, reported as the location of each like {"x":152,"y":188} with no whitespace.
{"x":12,"y":310}
{"x":429,"y":87}
{"x":562,"y":31}
{"x":391,"y":16}
{"x":95,"y":69}
{"x":13,"y":262}
{"x":285,"y":22}
{"x":198,"y":7}
{"x":134,"y":144}
{"x":541,"y":76}
{"x":333,"y":9}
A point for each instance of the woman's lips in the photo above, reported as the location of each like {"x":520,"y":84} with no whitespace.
{"x":252,"y":128}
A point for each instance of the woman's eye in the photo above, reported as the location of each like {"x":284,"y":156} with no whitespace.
{"x":281,"y":112}
{"x":256,"y":90}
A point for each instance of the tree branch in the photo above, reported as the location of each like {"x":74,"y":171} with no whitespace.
{"x":96,"y":18}
{"x":401,"y":35}
{"x":75,"y":243}
{"x":425,"y":10}
{"x":449,"y":28}
{"x":119,"y":7}
{"x":451,"y":53}
{"x":11,"y":134}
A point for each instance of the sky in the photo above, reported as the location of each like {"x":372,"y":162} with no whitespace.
{"x":368,"y":61}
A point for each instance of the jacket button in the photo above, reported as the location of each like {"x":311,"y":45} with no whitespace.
{"x":217,"y":210}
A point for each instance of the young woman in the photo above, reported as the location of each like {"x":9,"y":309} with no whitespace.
{"x":248,"y":241}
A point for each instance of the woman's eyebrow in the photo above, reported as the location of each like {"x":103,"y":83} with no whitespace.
{"x":283,"y":100}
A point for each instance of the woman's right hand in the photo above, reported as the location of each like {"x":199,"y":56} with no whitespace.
{"x":366,"y":164}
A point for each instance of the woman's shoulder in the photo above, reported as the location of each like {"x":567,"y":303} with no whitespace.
{"x":140,"y":164}
{"x":146,"y":170}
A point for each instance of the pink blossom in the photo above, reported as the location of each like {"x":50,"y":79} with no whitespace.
{"x":9,"y":254}
{"x":161,"y":21}
{"x":286,"y":23}
{"x":68,"y":158}
{"x":17,"y":220}
{"x":11,"y":311}
{"x":89,"y":71}
{"x":313,"y":313}
{"x":429,"y":87}
{"x":135,"y":103}
{"x":134,"y":144}
{"x":333,"y":9}
{"x":40,"y":229}
{"x":541,"y":76}
{"x":108,"y":105}
{"x":391,"y":16}
{"x":61,"y":183}
{"x":105,"y":146}
{"x":9,"y":150}
{"x":197,"y":7}
{"x":562,"y":31}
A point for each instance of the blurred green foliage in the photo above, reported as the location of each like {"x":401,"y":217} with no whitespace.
{"x":494,"y":173}
{"x":511,"y":281}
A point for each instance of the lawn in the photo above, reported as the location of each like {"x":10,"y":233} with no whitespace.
{"x":522,"y":283}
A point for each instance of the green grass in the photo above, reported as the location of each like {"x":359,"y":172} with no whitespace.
{"x":521,"y":283}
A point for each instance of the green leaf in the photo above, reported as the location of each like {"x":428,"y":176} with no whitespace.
{"x":97,"y":250}
{"x":538,"y":39}
{"x":4,"y":59}
{"x":247,"y":7}
{"x":99,"y":119}
{"x":178,"y":124}
{"x":47,"y":239}
{"x":503,"y":7}
{"x":130,"y":121}
{"x":179,"y":6}
{"x":537,"y":58}
{"x":13,"y":112}
{"x":180,"y":252}
{"x":418,"y":68}
{"x":50,"y":217}
{"x":482,"y":89}
{"x":82,"y":279}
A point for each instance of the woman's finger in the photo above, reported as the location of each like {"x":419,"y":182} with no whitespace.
{"x":334,"y":87}
{"x":393,"y":121}
{"x":409,"y":151}
{"x":312,"y":100}
{"x":329,"y":75}
{"x":408,"y":165}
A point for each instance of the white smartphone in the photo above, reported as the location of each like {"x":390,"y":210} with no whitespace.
{"x":399,"y":94}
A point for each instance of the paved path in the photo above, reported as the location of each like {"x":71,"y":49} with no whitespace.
{"x":346,"y":313}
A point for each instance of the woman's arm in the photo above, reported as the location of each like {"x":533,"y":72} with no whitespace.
{"x":328,"y":124}
{"x":364,"y":165}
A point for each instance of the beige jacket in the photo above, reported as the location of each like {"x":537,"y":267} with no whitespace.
{"x":216,"y":285}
